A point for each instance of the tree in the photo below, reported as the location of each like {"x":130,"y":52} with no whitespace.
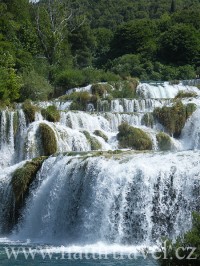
{"x":173,"y":6}
{"x":135,"y":37}
{"x":10,"y":82}
{"x":180,"y":44}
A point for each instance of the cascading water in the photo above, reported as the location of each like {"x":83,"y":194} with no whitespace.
{"x":125,"y":198}
{"x":130,"y":200}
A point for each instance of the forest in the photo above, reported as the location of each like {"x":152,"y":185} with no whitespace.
{"x":49,"y":46}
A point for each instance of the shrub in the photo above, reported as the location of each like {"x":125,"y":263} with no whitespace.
{"x":124,"y":89}
{"x":186,"y":94}
{"x":35,"y":87}
{"x":70,"y":78}
{"x":164,"y":141}
{"x":48,"y":139}
{"x":130,"y":137}
{"x":101,"y":134}
{"x":80,"y":100}
{"x":95,"y":144}
{"x":99,"y":89}
{"x":51,"y":114}
{"x":29,"y":111}
{"x":174,"y":118}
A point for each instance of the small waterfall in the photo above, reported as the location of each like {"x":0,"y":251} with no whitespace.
{"x":6,"y":137}
{"x":131,"y":105}
{"x":191,"y":133}
{"x":163,"y":91}
{"x":145,"y":199}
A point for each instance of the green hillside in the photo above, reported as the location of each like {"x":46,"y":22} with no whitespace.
{"x":50,"y":46}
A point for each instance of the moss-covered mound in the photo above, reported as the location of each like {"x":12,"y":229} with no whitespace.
{"x":48,"y":139}
{"x":24,"y":176}
{"x":186,"y":94}
{"x":29,"y":111}
{"x":164,"y":141}
{"x":130,"y":137}
{"x":95,"y":144}
{"x":101,"y":134}
{"x":174,"y":118}
{"x":148,"y":120}
{"x":51,"y":114}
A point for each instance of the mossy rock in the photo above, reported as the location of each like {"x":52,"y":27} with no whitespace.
{"x":51,"y":114}
{"x":95,"y":144}
{"x":48,"y":139}
{"x":174,"y":118}
{"x":164,"y":141}
{"x":130,"y":137}
{"x":186,"y":94}
{"x":101,"y":134}
{"x":21,"y":180}
{"x":29,"y":111}
{"x":148,"y":120}
{"x":23,"y":176}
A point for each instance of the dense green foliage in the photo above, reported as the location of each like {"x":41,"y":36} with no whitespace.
{"x":130,"y":137}
{"x":87,"y":41}
{"x":185,"y":250}
{"x":174,"y":118}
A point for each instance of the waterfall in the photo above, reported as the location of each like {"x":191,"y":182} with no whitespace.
{"x":130,"y":106}
{"x":117,"y":197}
{"x":165,"y":90}
{"x":191,"y":132}
{"x":132,"y":200}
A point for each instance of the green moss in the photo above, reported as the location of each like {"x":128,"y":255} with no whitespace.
{"x":15,"y":122}
{"x":29,"y":111}
{"x":95,"y":144}
{"x":190,"y":109}
{"x":23,"y":177}
{"x":130,"y":137}
{"x":101,"y":134}
{"x":51,"y":114}
{"x":164,"y":141}
{"x":48,"y":139}
{"x":174,"y":118}
{"x":186,"y":94}
{"x":148,"y":120}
